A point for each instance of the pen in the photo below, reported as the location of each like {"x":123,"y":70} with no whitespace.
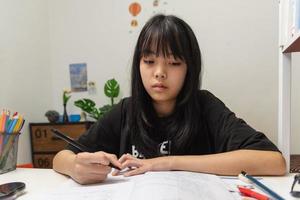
{"x":76,"y":144}
{"x":262,"y":187}
{"x":250,"y":193}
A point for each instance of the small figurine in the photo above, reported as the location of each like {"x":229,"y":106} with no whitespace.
{"x":52,"y":115}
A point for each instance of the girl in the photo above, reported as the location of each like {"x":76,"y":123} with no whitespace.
{"x":168,"y":123}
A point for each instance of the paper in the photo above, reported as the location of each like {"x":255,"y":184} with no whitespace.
{"x":232,"y":184}
{"x":149,"y":186}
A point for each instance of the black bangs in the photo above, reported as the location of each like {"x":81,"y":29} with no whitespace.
{"x":163,"y":36}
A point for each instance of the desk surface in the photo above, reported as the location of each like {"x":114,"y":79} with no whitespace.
{"x":37,"y":180}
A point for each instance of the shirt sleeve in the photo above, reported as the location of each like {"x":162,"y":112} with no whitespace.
{"x":230,"y":132}
{"x":104,"y":135}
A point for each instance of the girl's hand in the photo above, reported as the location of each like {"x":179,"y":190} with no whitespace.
{"x":140,"y":166}
{"x":92,"y":167}
{"x":136,"y":166}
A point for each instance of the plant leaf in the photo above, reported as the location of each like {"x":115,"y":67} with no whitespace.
{"x":112,"y":88}
{"x":86,"y":105}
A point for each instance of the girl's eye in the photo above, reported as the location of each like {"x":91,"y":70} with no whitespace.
{"x":175,"y":63}
{"x":148,"y":62}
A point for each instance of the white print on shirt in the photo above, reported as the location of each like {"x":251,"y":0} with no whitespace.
{"x":164,"y":148}
{"x":136,"y":153}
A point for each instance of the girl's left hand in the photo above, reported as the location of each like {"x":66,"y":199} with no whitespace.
{"x":136,"y":166}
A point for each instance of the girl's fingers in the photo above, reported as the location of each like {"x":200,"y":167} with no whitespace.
{"x":104,"y":158}
{"x":136,"y":171}
{"x":115,"y":172}
{"x":128,"y":165}
{"x":125,"y":157}
{"x":98,"y":169}
{"x":123,"y":171}
{"x":88,"y":158}
{"x":114,"y":160}
{"x":98,"y":158}
{"x":81,"y":168}
{"x":132,"y":163}
{"x":93,"y":167}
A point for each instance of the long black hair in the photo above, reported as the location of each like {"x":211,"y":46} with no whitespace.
{"x":164,"y":34}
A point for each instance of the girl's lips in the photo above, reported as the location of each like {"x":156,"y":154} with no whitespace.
{"x":159,"y":87}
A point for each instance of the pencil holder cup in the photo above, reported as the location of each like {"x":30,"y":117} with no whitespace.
{"x":8,"y":151}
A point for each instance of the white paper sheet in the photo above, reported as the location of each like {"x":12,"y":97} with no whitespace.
{"x":149,"y":186}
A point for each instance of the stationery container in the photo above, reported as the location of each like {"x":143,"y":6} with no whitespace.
{"x":8,"y":151}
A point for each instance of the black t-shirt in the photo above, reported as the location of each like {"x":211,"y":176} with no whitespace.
{"x":221,"y":131}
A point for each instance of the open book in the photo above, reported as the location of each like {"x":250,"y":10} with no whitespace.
{"x":150,"y":186}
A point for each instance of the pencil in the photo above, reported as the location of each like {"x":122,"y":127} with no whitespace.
{"x":76,"y":144}
{"x":250,"y":193}
{"x":262,"y":187}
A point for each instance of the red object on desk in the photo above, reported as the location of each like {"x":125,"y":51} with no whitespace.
{"x":251,"y":193}
{"x":27,"y":165}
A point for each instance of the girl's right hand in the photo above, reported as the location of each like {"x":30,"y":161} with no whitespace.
{"x":92,"y":167}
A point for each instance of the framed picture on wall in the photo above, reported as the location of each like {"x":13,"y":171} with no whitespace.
{"x":78,"y":77}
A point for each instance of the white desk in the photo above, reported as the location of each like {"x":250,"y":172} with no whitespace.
{"x":281,"y":185}
{"x":37,"y":180}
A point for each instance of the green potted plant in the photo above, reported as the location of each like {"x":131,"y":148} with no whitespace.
{"x":111,"y":90}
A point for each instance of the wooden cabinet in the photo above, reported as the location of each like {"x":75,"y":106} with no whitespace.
{"x":44,"y":144}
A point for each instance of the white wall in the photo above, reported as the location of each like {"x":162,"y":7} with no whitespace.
{"x":24,"y":63}
{"x":238,"y":39}
{"x":95,"y":32}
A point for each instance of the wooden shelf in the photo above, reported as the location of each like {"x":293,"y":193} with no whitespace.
{"x":293,"y":45}
{"x":45,"y":145}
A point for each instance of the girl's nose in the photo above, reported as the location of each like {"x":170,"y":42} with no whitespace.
{"x":160,"y":75}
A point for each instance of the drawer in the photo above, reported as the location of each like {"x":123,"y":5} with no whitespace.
{"x":43,"y":140}
{"x":43,"y":160}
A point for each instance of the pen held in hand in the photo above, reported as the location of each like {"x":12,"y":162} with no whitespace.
{"x":76,"y":144}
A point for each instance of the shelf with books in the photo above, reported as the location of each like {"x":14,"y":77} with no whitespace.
{"x":289,"y":42}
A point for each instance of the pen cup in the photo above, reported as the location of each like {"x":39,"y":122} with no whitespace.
{"x":8,"y":151}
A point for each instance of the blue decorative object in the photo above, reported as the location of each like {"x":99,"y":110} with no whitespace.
{"x":74,"y":118}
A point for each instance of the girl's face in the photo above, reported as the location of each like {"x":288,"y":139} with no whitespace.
{"x":163,"y":77}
